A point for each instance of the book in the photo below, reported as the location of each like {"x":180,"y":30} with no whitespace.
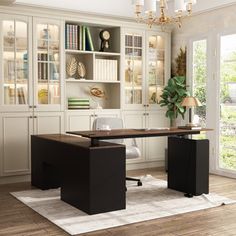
{"x":190,"y":127}
{"x":89,"y":42}
{"x":21,"y":95}
{"x":78,"y":103}
{"x":83,"y":38}
{"x":80,"y":36}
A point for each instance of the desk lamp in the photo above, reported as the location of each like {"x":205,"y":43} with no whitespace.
{"x":190,"y":102}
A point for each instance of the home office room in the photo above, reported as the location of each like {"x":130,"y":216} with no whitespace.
{"x":117,"y":117}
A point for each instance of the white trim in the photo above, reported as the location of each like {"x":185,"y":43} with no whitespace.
{"x":15,"y":179}
{"x":218,"y":169}
{"x":144,"y":165}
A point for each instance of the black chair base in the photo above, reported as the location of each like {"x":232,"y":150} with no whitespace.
{"x":139,"y":183}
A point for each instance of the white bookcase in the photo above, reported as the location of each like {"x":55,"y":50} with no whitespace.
{"x":131,"y":72}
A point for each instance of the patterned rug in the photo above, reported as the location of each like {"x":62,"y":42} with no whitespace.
{"x":151,"y":201}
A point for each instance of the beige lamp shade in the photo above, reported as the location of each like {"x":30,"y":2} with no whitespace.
{"x":190,"y":102}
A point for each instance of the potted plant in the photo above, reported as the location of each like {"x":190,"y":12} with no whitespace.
{"x":172,"y":97}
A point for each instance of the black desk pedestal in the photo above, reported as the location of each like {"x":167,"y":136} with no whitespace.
{"x":188,"y":165}
{"x":91,"y":178}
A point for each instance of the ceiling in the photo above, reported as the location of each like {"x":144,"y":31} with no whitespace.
{"x":121,"y":8}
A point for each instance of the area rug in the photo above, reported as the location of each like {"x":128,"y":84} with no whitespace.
{"x":151,"y":201}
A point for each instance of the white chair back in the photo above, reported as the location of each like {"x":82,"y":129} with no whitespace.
{"x":132,"y":151}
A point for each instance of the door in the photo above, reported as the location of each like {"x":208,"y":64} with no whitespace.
{"x":133,"y":97}
{"x":47,"y":50}
{"x":157,"y":67}
{"x":15,"y":70}
{"x":79,"y":120}
{"x":226,"y":103}
{"x":135,"y":120}
{"x":48,"y":123}
{"x":156,"y":146}
{"x":15,"y":143}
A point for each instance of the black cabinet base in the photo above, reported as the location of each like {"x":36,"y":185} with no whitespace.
{"x":188,"y":165}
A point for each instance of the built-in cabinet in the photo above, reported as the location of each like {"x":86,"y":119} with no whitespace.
{"x":146,"y":68}
{"x":41,"y":70}
{"x":83,"y":120}
{"x":31,"y":87}
{"x":146,"y":71}
{"x":152,"y":149}
{"x":16,"y":129}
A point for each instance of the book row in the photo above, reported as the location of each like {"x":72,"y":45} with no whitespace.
{"x":9,"y":95}
{"x":105,"y":70}
{"x":78,"y":37}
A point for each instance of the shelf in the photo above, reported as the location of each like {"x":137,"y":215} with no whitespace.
{"x":92,"y":81}
{"x":17,"y":81}
{"x":48,"y":81}
{"x":133,"y":88}
{"x":92,"y":52}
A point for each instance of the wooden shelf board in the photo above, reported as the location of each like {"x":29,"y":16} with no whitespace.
{"x":92,"y":52}
{"x":92,"y":81}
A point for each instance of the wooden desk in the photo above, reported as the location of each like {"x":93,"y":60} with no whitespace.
{"x":91,"y":178}
{"x":188,"y":159}
{"x":92,"y":175}
{"x":95,"y":135}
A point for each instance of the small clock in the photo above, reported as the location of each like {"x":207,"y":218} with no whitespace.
{"x":104,"y":36}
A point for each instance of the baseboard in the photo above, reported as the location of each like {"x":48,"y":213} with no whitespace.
{"x":15,"y":179}
{"x":144,"y":165}
{"x":129,"y":166}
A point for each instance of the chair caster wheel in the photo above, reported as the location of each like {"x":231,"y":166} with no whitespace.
{"x":140,"y":183}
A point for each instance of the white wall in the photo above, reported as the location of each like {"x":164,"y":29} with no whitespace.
{"x":218,"y":20}
{"x":107,"y":7}
{"x":116,"y":7}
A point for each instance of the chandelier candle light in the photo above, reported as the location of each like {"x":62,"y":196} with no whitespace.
{"x":183,"y":8}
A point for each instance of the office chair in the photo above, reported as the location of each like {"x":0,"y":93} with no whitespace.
{"x":132,"y":151}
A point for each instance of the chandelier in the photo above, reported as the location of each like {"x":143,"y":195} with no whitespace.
{"x":182,"y":9}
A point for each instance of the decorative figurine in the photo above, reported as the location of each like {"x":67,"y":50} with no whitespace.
{"x":104,"y":36}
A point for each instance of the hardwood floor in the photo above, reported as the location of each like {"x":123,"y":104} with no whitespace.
{"x":18,"y":219}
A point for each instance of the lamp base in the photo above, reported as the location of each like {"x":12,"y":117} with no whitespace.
{"x":191,"y":125}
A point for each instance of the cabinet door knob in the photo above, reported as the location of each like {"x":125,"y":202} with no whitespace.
{"x":35,"y":106}
{"x":30,"y":106}
{"x":147,"y":105}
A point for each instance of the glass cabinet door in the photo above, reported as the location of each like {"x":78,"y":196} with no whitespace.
{"x":15,"y":63}
{"x":48,"y":64}
{"x":133,"y":69}
{"x":155,"y":67}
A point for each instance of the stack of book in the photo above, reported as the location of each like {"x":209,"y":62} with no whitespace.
{"x":105,"y":70}
{"x":78,"y":103}
{"x":42,"y":66}
{"x":78,"y":37}
{"x":21,"y":95}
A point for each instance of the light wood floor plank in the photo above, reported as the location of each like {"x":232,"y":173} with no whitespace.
{"x":16,"y":219}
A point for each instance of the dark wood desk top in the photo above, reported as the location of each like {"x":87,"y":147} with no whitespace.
{"x":134,"y":133}
{"x":74,"y":140}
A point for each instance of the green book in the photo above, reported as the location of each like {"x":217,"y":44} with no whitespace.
{"x":89,"y":42}
{"x":83,"y":38}
{"x":80,"y":37}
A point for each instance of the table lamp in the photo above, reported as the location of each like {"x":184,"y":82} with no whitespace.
{"x":190,"y":102}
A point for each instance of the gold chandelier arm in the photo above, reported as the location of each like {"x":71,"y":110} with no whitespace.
{"x":163,"y":19}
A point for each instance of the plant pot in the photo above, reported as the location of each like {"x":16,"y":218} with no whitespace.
{"x":173,"y":123}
